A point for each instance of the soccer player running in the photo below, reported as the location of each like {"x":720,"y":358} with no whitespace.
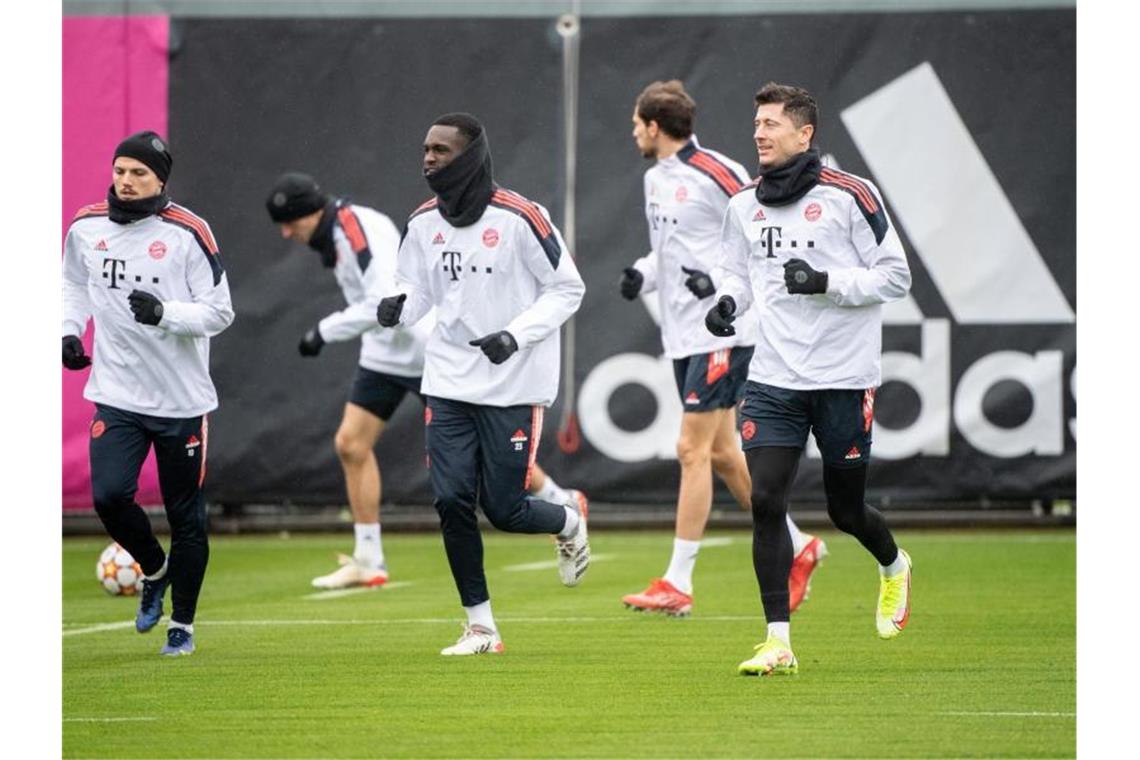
{"x":809,"y":254}
{"x":502,"y":282}
{"x":686,"y":193}
{"x":359,"y":244}
{"x":149,"y":273}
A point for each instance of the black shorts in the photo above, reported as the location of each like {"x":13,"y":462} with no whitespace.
{"x":712,"y":381}
{"x":380,"y":393}
{"x":840,"y":419}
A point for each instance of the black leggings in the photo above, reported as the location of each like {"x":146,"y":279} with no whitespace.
{"x":773,"y":468}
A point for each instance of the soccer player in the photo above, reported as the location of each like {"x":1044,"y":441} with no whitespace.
{"x":502,"y":282}
{"x":149,"y":273}
{"x":359,"y":244}
{"x":809,"y":254}
{"x":686,"y":194}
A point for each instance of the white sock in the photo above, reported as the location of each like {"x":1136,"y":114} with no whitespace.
{"x":480,"y":614}
{"x":368,"y":550}
{"x":552,"y":492}
{"x":161,"y":572}
{"x":188,"y":628}
{"x":571,"y":526}
{"x":894,"y":568}
{"x":782,"y":631}
{"x":680,"y":572}
{"x":799,"y":538}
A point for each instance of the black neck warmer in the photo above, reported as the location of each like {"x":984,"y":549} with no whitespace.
{"x":322,"y":239}
{"x":125,"y":212}
{"x":789,"y":182}
{"x":465,"y":186}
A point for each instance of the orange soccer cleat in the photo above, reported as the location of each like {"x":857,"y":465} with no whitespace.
{"x":805,"y":563}
{"x":661,"y":596}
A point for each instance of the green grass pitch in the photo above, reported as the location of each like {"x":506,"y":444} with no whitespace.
{"x":986,"y":667}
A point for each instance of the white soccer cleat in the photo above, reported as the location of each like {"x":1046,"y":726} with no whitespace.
{"x":352,"y":573}
{"x":574,"y":552}
{"x":476,"y":639}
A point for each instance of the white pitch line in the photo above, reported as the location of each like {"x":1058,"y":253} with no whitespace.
{"x":338,"y":593}
{"x":429,"y":621}
{"x":710,"y":543}
{"x":1016,"y":714}
{"x":99,"y":627}
{"x":550,"y":564}
{"x":105,"y":720}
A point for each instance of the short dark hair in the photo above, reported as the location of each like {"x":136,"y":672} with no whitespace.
{"x":468,"y":125}
{"x":670,"y":106}
{"x":798,"y":102}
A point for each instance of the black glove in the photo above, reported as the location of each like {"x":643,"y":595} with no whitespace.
{"x":497,"y":346}
{"x":720,"y":317}
{"x":699,"y":283}
{"x":802,"y":279}
{"x":388,"y":312}
{"x":631,"y":281}
{"x":147,"y":308}
{"x":312,"y":343}
{"x":73,"y":356}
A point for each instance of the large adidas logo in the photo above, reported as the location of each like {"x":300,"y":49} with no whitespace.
{"x":989,"y":273}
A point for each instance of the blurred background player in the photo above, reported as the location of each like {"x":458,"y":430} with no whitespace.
{"x":149,"y":273}
{"x":502,"y":281}
{"x":359,"y":244}
{"x":686,"y":193}
{"x":812,"y":273}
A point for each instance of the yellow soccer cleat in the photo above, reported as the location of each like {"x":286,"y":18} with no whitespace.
{"x":773,"y":658}
{"x":893,"y":611}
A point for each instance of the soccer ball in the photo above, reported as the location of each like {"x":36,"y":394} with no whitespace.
{"x":118,"y":572}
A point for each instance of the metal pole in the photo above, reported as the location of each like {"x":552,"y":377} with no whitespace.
{"x":569,"y":28}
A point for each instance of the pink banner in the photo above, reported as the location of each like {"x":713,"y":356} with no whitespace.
{"x":115,"y":75}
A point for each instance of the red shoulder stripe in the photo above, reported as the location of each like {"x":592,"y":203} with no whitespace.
{"x":94,"y":209}
{"x":351,"y":226}
{"x":717,"y":171}
{"x":197,"y":225}
{"x":850,"y":183}
{"x":516,"y":201}
{"x":428,"y":204}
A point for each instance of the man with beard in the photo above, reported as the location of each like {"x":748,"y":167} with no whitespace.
{"x":810,"y":254}
{"x":149,"y":273}
{"x":502,"y":282}
{"x":686,"y":194}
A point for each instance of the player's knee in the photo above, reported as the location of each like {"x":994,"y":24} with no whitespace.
{"x":692,"y":453}
{"x":769,"y":502}
{"x":351,"y":448}
{"x":725,"y":461}
{"x":848,"y":517}
{"x":110,"y":497}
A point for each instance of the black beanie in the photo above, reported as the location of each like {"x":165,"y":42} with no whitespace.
{"x":149,"y":148}
{"x":294,"y":195}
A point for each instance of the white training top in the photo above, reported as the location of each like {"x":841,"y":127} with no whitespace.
{"x":828,"y":340}
{"x":366,"y":244}
{"x":686,"y":196}
{"x":508,"y":271}
{"x":161,"y":370}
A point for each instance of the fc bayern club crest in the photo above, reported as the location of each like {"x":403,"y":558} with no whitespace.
{"x":157,"y":250}
{"x":748,"y":430}
{"x":813,"y":212}
{"x":682,"y":194}
{"x":490,"y":237}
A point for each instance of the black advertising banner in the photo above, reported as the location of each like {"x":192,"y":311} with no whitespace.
{"x":965,"y":121}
